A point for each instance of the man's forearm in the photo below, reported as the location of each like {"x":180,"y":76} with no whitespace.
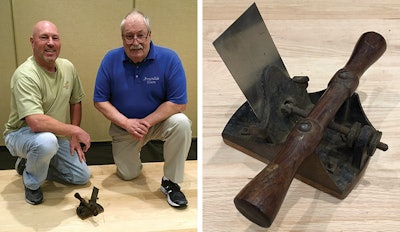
{"x":163,"y":112}
{"x":111,"y":113}
{"x":44,"y":123}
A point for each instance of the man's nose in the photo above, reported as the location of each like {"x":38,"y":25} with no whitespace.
{"x":50,"y":42}
{"x":135,"y":42}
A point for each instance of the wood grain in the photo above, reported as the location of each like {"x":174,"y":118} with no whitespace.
{"x":136,"y":205}
{"x":314,"y":38}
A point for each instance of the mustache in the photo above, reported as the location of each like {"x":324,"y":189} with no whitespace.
{"x":133,"y":47}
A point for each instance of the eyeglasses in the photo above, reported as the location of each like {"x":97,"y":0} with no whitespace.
{"x":140,"y":38}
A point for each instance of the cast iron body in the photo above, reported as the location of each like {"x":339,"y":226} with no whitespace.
{"x":91,"y":208}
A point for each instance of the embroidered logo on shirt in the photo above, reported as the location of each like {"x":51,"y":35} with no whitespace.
{"x":151,"y":80}
{"x":66,"y":85}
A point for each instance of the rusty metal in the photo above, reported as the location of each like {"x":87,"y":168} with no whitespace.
{"x":337,"y":137}
{"x":91,"y":208}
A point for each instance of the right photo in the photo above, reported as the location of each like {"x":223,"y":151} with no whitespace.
{"x":300,"y":115}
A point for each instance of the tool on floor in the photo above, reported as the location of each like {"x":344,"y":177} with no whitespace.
{"x":322,"y":138}
{"x":91,"y":208}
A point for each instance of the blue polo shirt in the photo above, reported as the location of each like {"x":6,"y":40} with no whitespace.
{"x":136,"y":90}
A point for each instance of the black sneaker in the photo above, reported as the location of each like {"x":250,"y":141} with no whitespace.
{"x":20,"y":165}
{"x":33,"y":197}
{"x":175,"y":197}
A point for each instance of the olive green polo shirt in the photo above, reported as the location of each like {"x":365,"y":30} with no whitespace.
{"x":36,"y":91}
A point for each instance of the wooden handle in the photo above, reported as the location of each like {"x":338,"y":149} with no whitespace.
{"x":369,"y":48}
{"x":261,"y":199}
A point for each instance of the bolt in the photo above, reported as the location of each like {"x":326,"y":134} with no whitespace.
{"x":305,"y":126}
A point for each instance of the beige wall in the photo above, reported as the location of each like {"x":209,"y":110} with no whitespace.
{"x":7,"y":61}
{"x":89,"y":28}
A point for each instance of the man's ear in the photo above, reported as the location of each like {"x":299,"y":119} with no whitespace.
{"x":31,"y":40}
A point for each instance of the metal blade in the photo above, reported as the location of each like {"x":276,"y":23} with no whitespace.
{"x":247,"y":49}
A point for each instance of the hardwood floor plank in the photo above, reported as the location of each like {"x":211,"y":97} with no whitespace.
{"x":136,"y":205}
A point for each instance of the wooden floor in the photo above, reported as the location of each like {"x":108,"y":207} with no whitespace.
{"x":314,"y":38}
{"x":136,"y":205}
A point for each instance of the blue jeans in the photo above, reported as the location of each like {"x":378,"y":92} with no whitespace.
{"x":47,"y":157}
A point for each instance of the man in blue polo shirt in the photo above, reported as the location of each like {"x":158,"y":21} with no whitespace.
{"x":141,"y":89}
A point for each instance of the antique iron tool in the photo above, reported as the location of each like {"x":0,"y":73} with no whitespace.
{"x":91,"y":208}
{"x":323,"y":138}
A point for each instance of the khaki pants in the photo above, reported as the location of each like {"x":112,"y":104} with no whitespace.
{"x":176,"y":133}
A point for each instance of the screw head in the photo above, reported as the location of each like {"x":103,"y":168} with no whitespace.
{"x":305,"y":126}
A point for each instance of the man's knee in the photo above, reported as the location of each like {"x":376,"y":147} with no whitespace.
{"x":46,"y":144}
{"x":82,"y":178}
{"x":130,"y":174}
{"x":182,"y":123}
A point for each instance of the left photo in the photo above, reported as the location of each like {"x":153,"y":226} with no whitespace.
{"x":99,"y":115}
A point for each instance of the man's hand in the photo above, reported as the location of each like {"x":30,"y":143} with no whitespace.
{"x":80,"y":142}
{"x":138,"y":128}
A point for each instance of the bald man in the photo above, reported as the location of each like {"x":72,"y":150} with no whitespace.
{"x":43,"y":90}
